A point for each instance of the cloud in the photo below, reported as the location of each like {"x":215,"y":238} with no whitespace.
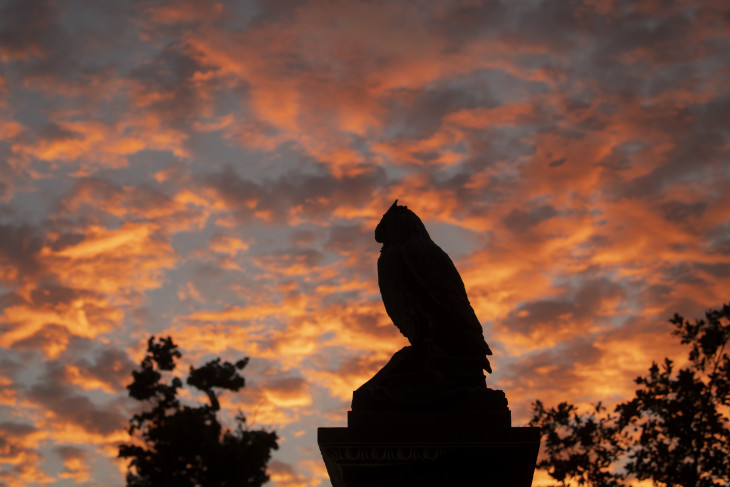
{"x":50,"y":338}
{"x":129,"y":258}
{"x":19,"y":249}
{"x":349,"y":375}
{"x":547,"y":321}
{"x":53,"y":315}
{"x":75,"y":463}
{"x":291,"y":261}
{"x":176,"y":85}
{"x":55,"y":395}
{"x":299,"y":196}
{"x":286,"y":475}
{"x":519,"y":220}
{"x":89,"y":144}
{"x":110,"y":371}
{"x":347,"y":238}
{"x":418,"y":114}
{"x":287,"y":392}
{"x":18,"y":454}
{"x":25,"y":31}
{"x":100,"y":200}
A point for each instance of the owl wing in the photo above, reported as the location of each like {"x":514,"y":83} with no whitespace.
{"x":393,"y":289}
{"x":433,"y":269}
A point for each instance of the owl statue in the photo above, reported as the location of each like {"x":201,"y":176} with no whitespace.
{"x":423,"y":292}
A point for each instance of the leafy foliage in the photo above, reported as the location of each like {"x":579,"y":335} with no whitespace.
{"x":674,"y":431}
{"x":182,"y":446}
{"x":579,"y":447}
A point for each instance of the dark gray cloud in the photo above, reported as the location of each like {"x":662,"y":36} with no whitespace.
{"x":681,"y":212}
{"x":287,"y":258}
{"x":68,"y":452}
{"x":169,"y":80}
{"x":348,"y":238}
{"x":94,"y":198}
{"x":718,"y":270}
{"x":67,"y":46}
{"x":717,"y":239}
{"x":304,"y":237}
{"x":551,"y":374}
{"x":621,"y":157}
{"x":50,"y":295}
{"x":48,"y":337}
{"x":520,"y":220}
{"x":416,"y":114}
{"x":700,"y":139}
{"x":355,"y":365}
{"x":12,"y":445}
{"x":19,"y":250}
{"x":318,"y":195}
{"x":576,"y":306}
{"x":28,"y":27}
{"x":111,"y":366}
{"x":9,"y":370}
{"x":560,"y":360}
{"x":355,"y":242}
{"x":16,"y":429}
{"x":365,"y":322}
{"x":460,"y":22}
{"x":277,"y":11}
{"x":287,"y":384}
{"x":54,"y":393}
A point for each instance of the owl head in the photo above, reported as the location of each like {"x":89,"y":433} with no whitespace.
{"x":398,"y":225}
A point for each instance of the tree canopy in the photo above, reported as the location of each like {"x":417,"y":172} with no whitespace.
{"x":179,"y":445}
{"x":674,"y":431}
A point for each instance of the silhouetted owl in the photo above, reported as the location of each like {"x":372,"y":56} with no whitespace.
{"x":423,"y":292}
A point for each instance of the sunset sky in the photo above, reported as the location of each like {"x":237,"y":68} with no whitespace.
{"x":214,"y":171}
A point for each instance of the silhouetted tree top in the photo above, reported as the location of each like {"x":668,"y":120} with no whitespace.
{"x":675,"y":431}
{"x":179,"y":445}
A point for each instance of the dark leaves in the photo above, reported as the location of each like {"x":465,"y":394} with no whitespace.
{"x":186,"y":446}
{"x":579,"y":447}
{"x":674,"y":431}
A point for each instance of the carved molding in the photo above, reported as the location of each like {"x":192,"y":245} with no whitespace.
{"x":382,"y":454}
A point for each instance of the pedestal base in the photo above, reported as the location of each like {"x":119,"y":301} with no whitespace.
{"x":438,"y":449}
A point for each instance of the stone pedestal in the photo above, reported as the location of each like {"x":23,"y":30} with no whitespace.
{"x":429,"y":448}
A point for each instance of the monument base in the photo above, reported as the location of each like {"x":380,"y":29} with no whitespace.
{"x":422,"y":448}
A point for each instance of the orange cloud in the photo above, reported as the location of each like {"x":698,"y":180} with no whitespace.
{"x":27,"y":322}
{"x":285,"y":475}
{"x":351,"y":374}
{"x":9,"y":128}
{"x":287,"y":392}
{"x":100,"y":199}
{"x":87,"y":144}
{"x":75,"y":464}
{"x":129,"y":258}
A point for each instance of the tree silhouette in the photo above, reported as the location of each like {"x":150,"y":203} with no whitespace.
{"x":674,"y":431}
{"x":178,"y":445}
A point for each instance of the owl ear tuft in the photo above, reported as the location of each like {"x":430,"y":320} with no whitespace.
{"x":393,"y":206}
